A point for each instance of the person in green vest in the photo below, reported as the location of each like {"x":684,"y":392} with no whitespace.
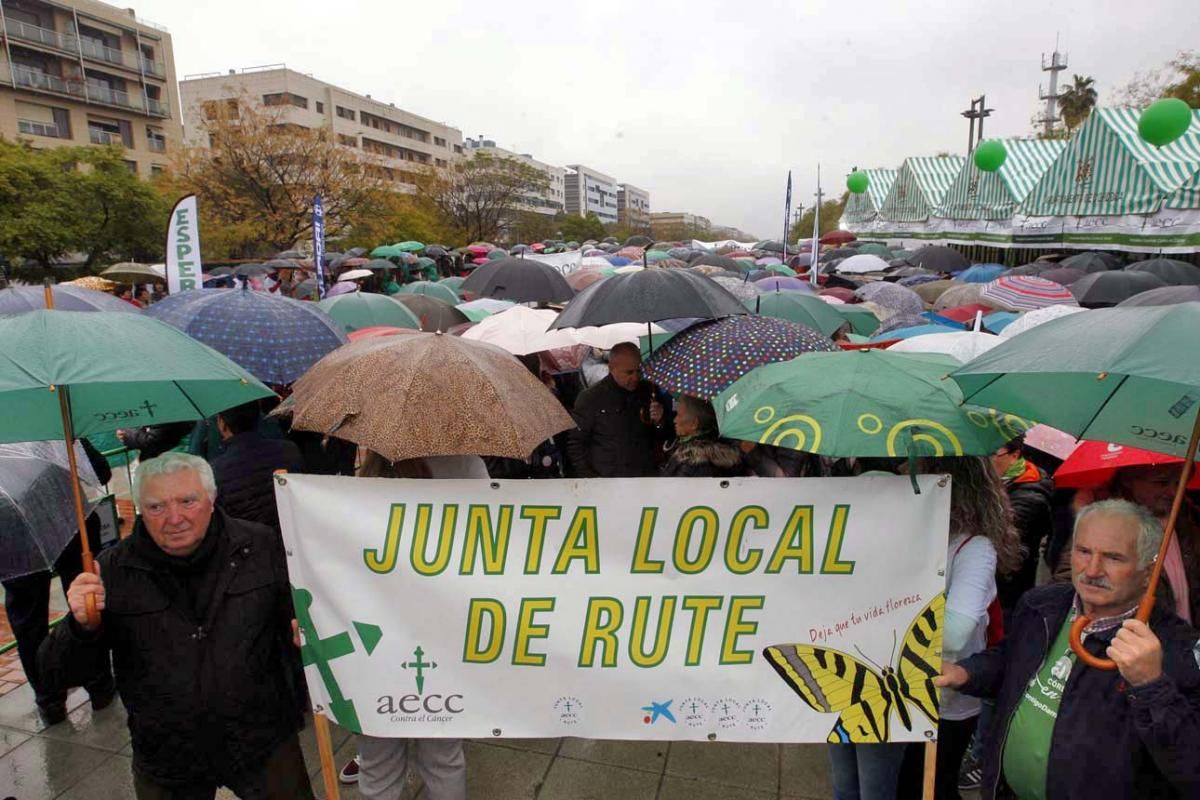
{"x":390,"y":286}
{"x":1066,"y":731}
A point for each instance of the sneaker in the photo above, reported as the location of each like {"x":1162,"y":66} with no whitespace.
{"x":52,"y":713}
{"x":349,"y":773}
{"x":970,"y":775}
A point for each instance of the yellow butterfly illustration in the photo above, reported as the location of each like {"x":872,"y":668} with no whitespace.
{"x":830,"y":681}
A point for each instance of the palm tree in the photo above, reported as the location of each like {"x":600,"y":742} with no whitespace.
{"x":1077,"y":101}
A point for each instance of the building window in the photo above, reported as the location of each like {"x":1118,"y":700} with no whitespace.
{"x":157,"y":169}
{"x":285,"y":99}
{"x":320,"y":107}
{"x":345,"y":113}
{"x":348,"y":141}
{"x":220,"y":108}
{"x":156,"y":140}
{"x":104,"y":132}
{"x":39,"y":120}
{"x":441,"y":162}
{"x":131,"y":166}
{"x":439,"y":141}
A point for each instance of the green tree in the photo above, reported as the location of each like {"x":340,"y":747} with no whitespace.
{"x":1179,"y":77}
{"x":255,"y":183}
{"x":1077,"y":101}
{"x":479,"y":196}
{"x":831,"y":215}
{"x":76,"y":201}
{"x":530,"y":226}
{"x":580,"y":229}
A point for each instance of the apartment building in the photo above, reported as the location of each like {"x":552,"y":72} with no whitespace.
{"x":633,"y":206}
{"x":674,"y":224}
{"x":78,"y":72}
{"x":549,"y":202}
{"x":590,"y":192}
{"x":402,"y":144}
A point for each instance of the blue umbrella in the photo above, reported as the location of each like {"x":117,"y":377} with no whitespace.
{"x":1000,"y":320}
{"x":915,"y":330}
{"x":274,"y":338}
{"x":981,"y":273}
{"x":619,"y":261}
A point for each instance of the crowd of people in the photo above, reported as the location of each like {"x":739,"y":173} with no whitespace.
{"x":197,"y":635}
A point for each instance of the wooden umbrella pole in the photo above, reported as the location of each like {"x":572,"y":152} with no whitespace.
{"x":325,"y":748}
{"x":929,"y":779}
{"x":64,"y":407}
{"x":1147,"y":603}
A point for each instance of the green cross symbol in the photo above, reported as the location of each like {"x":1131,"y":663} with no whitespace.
{"x":320,"y":652}
{"x":420,"y":665}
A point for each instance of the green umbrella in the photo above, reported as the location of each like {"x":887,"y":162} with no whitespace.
{"x":363,"y":310}
{"x":1123,"y":375}
{"x":428,"y":266}
{"x":387,"y":251}
{"x":876,"y":250}
{"x":409,"y":247}
{"x":798,"y":307}
{"x":862,"y":321}
{"x":432,"y":289}
{"x":454,"y":281}
{"x":781,"y":270}
{"x":65,"y":375}
{"x":861,"y":403}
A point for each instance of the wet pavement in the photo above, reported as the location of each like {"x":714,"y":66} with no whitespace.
{"x":88,"y":758}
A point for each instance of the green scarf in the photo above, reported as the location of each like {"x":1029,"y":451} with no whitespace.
{"x":1015,"y":470}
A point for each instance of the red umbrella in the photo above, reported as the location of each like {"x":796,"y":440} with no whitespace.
{"x":373,"y":331}
{"x":838,"y":237}
{"x":965,"y":313}
{"x":1095,"y":464}
{"x":581,"y":279}
{"x":841,"y":293}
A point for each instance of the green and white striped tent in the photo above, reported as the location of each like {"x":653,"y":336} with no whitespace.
{"x":918,"y":190}
{"x":979,"y":195}
{"x":1108,"y":170}
{"x":863,"y":209}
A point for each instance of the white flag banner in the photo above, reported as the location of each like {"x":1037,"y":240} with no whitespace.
{"x":563,"y":262}
{"x":183,"y":247}
{"x":721,"y":243}
{"x":757,"y":610}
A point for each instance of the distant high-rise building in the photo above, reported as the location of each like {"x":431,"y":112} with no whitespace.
{"x":549,"y":202}
{"x":78,"y":72}
{"x":633,"y":206}
{"x":402,"y":144}
{"x":590,"y":192}
{"x":677,"y":224}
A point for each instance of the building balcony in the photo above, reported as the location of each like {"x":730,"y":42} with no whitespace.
{"x":97,"y":136}
{"x":157,"y":145}
{"x":32,"y":127}
{"x":155,"y":68}
{"x":98,"y":51}
{"x":42,"y":36}
{"x":114,"y":97}
{"x":158,"y":108}
{"x":36,"y":79}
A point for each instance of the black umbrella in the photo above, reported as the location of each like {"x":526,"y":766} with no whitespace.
{"x":295,"y":254}
{"x":770,"y":246}
{"x":379,"y":263}
{"x":251,"y":270}
{"x":433,"y":314}
{"x":1092,"y":262}
{"x":649,"y":296}
{"x":1103,"y":289}
{"x":1036,"y":268}
{"x":1064,"y":276}
{"x":939,"y":259}
{"x":638,"y":241}
{"x":1164,"y":296}
{"x":838,"y":253}
{"x":219,"y":271}
{"x":1172,"y":272}
{"x":281,"y":263}
{"x":436,"y":251}
{"x":609,"y":240}
{"x":728,"y":264}
{"x":356,"y":252}
{"x":518,"y":248}
{"x":522,"y":280}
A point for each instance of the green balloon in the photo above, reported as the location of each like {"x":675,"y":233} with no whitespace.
{"x":1164,"y":121}
{"x":857,"y":182}
{"x":990,"y":155}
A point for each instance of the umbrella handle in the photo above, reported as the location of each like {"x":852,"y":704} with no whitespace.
{"x":1148,"y":597}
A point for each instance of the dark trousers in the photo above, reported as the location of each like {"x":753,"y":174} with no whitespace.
{"x":27,"y":602}
{"x":283,"y":777}
{"x":954,"y":737}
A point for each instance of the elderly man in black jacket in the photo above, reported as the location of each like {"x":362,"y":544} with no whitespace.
{"x":1066,"y":731}
{"x":620,"y":421}
{"x":243,"y":471}
{"x":195,"y":608}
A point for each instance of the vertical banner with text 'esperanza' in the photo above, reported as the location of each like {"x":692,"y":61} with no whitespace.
{"x":319,"y":243}
{"x":183,"y":247}
{"x":760,"y":610}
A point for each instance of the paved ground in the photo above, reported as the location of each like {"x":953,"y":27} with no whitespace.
{"x":87,"y":757}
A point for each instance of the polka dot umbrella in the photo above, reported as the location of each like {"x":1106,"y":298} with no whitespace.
{"x":705,"y":359}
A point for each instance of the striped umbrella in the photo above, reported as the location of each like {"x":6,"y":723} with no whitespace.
{"x":1027,"y":292}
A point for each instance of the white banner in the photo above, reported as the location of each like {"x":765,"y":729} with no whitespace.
{"x":699,"y":245}
{"x":183,"y":247}
{"x":759,"y":610}
{"x":563,"y":262}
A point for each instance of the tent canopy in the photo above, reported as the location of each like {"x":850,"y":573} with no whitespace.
{"x":864,"y":208}
{"x":919,"y":187}
{"x":995,"y":195}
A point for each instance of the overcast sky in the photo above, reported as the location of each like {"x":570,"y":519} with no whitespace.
{"x":707,"y":103}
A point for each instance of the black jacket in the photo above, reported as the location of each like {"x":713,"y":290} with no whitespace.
{"x":1033,"y":519}
{"x":705,"y":458}
{"x":208,"y":699}
{"x":611,"y":440}
{"x":1111,"y":741}
{"x":245,"y":488}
